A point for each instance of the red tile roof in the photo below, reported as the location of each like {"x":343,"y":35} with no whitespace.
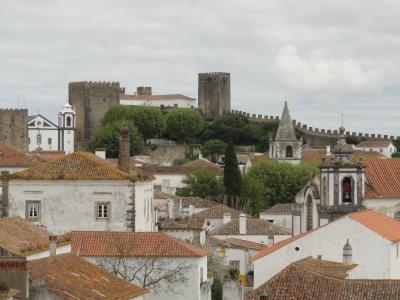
{"x":12,"y":158}
{"x":383,"y":179}
{"x":202,"y":163}
{"x":107,"y":243}
{"x":155,"y":97}
{"x":373,"y":144}
{"x":280,"y":209}
{"x":73,"y":278}
{"x":48,"y":155}
{"x":379,"y":223}
{"x":309,"y":279}
{"x":235,"y":242}
{"x":181,"y":224}
{"x":253,"y":227}
{"x":217,"y":212}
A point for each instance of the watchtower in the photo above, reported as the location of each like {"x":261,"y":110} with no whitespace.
{"x":214,"y":94}
{"x":13,"y":128}
{"x":91,"y":101}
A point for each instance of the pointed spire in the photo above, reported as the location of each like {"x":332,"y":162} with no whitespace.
{"x":285,"y":130}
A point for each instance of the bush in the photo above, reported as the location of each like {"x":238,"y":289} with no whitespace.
{"x":396,"y":155}
{"x":183,"y":125}
{"x":216,"y":289}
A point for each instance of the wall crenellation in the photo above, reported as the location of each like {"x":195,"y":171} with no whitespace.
{"x":95,"y":83}
{"x":312,"y":130}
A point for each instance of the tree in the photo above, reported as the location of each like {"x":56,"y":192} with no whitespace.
{"x":149,"y":120}
{"x":183,"y":125}
{"x":276,"y":182}
{"x":216,"y":289}
{"x":213,"y":149}
{"x":202,"y":183}
{"x":154,"y":272}
{"x":232,"y":177}
{"x":107,"y":137}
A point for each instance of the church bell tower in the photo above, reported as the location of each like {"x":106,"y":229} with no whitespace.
{"x":67,"y":127}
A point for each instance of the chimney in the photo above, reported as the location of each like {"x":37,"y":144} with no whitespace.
{"x":226,"y":218}
{"x":100,"y":152}
{"x":171,"y":209}
{"x":270,"y":239}
{"x":347,"y":253}
{"x":52,"y":245}
{"x":124,"y":161}
{"x":242,"y":224}
{"x":191,"y":210}
{"x":319,"y":257}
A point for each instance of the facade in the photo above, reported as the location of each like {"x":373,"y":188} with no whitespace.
{"x":185,"y":229}
{"x":144,"y":97}
{"x":279,"y":214}
{"x":13,"y":131}
{"x":159,"y":249}
{"x":286,"y":147}
{"x":79,"y":192}
{"x":381,"y":146}
{"x":214,"y":94}
{"x":367,"y":232}
{"x":47,"y":136}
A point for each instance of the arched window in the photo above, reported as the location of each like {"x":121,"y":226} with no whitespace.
{"x":38,"y":139}
{"x":347,"y":190}
{"x":309,"y":218}
{"x":289,"y":151}
{"x":68,"y":121}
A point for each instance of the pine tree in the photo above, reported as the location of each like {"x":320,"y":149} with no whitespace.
{"x":232,"y":177}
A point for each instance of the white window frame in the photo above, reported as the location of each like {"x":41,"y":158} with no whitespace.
{"x":103,"y":210}
{"x":32,"y":210}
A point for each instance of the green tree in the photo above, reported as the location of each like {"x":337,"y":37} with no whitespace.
{"x":202,"y":183}
{"x":213,"y":149}
{"x":396,"y":155}
{"x":107,"y":137}
{"x":149,"y":120}
{"x":396,"y":142}
{"x":232,"y":177}
{"x":280,"y":183}
{"x":183,"y":125}
{"x":216,"y":289}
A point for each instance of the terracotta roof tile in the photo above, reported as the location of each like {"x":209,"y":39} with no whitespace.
{"x":202,"y":163}
{"x":235,"y":242}
{"x":48,"y":155}
{"x":157,"y":194}
{"x":72,"y":277}
{"x":325,"y":267}
{"x":20,"y":237}
{"x":217,"y":212}
{"x":74,"y":166}
{"x":196,"y":202}
{"x":379,"y":223}
{"x":253,"y":227}
{"x":373,"y":144}
{"x":181,"y":224}
{"x":12,"y":158}
{"x":383,"y":179}
{"x":155,"y":97}
{"x":280,"y":209}
{"x":307,"y":280}
{"x":107,"y":243}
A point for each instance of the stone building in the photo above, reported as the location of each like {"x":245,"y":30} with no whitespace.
{"x":13,"y":131}
{"x":286,"y":147}
{"x":214,"y":94}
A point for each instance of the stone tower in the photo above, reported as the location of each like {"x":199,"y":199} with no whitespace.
{"x":214,"y":94}
{"x":91,"y":101}
{"x":286,"y":146}
{"x":14,"y":128}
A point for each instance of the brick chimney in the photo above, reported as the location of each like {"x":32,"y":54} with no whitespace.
{"x":226,"y":218}
{"x":124,"y":163}
{"x":242,"y":224}
{"x":52,"y":245}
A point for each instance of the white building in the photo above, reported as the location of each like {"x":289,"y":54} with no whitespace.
{"x":144,"y":97}
{"x":374,"y":238}
{"x":45,"y":135}
{"x":158,"y":249}
{"x":279,"y":214}
{"x":186,"y":229}
{"x":216,"y":216}
{"x":384,"y":147}
{"x":80,"y":191}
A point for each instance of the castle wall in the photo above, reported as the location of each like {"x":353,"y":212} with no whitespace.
{"x":91,"y":101}
{"x":214,"y":94}
{"x":13,"y":128}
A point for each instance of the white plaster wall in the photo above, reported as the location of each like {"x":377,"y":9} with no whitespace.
{"x":60,"y":250}
{"x":211,"y":224}
{"x":69,"y":141}
{"x":387,"y":151}
{"x":240,"y":254}
{"x":184,"y":235}
{"x":261,"y":239}
{"x":175,"y":181}
{"x":157,"y":103}
{"x":282,"y":220}
{"x":68,"y":205}
{"x":188,"y":290}
{"x":11,"y":170}
{"x":144,"y":206}
{"x":328,"y":241}
{"x":46,"y":133}
{"x":386,"y":206}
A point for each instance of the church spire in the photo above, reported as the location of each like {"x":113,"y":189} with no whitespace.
{"x":285,"y":130}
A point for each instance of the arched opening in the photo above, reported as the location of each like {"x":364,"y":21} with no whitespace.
{"x":68,"y":121}
{"x":289,"y":151}
{"x":38,"y":139}
{"x":309,"y":219}
{"x":347,"y":190}
{"x":324,"y":195}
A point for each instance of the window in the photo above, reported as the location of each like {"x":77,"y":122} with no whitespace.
{"x":347,"y":190}
{"x":49,"y":141}
{"x":32,"y":210}
{"x":38,"y":139}
{"x":68,"y":121}
{"x":103,"y":210}
{"x":234,"y":264}
{"x":289,"y":151}
{"x":381,"y":150}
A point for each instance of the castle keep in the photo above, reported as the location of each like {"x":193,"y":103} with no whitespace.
{"x":13,"y":130}
{"x":91,"y":101}
{"x":214,"y":94}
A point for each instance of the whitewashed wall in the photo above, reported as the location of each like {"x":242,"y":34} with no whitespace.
{"x":282,"y":220}
{"x":60,"y":250}
{"x":181,"y":103}
{"x":261,"y":239}
{"x":144,"y":206}
{"x":175,"y":181}
{"x":46,"y":134}
{"x":386,"y":206}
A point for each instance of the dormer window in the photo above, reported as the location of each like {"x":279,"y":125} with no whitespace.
{"x":68,"y":121}
{"x":347,"y":190}
{"x":289,"y":151}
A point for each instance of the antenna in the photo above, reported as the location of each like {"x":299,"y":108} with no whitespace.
{"x":342,"y":119}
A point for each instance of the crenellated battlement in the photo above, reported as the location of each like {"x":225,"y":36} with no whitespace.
{"x":313,"y":130}
{"x":94,"y":83}
{"x":214,"y":76}
{"x":16,"y":110}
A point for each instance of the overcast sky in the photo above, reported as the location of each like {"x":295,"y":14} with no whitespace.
{"x":326,"y":57}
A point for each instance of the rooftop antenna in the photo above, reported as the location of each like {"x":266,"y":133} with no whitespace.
{"x":342,"y":119}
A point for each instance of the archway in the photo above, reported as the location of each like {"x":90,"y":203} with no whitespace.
{"x":289,"y":151}
{"x":347,"y":190}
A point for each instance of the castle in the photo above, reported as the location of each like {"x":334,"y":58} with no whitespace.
{"x":13,"y":129}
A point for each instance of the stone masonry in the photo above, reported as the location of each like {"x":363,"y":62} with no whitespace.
{"x":13,"y":129}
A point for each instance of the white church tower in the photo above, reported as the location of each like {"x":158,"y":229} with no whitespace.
{"x":67,"y":126}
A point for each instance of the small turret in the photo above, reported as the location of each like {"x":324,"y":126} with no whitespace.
{"x":347,"y":253}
